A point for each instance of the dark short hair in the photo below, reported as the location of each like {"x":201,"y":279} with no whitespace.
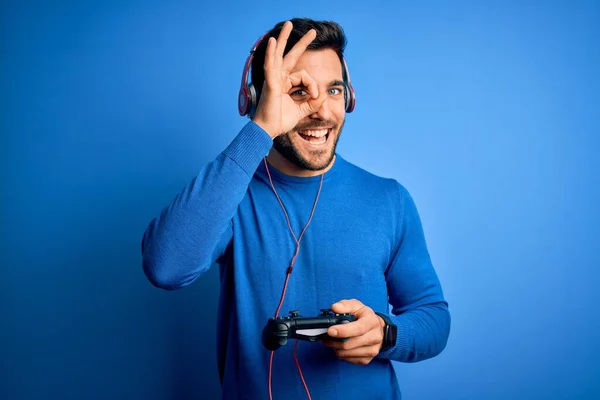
{"x":330,"y":35}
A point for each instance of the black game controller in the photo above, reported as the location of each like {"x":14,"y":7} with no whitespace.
{"x":277,"y":331}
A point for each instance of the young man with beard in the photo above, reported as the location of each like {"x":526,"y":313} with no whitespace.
{"x":294,"y":226}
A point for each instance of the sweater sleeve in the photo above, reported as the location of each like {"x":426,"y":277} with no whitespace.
{"x":190,"y":234}
{"x":415,"y":294}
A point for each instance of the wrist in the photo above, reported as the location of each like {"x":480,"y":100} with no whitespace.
{"x":265,"y":127}
{"x":381,"y":324}
{"x":389,"y":332}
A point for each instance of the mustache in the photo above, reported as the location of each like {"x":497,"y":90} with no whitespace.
{"x":315,"y":125}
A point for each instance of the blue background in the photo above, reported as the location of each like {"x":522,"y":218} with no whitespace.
{"x":488,"y":112}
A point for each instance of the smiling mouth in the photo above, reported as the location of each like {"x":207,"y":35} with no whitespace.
{"x":315,"y":137}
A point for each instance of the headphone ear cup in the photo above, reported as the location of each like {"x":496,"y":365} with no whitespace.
{"x":252,"y":99}
{"x":247,"y":100}
{"x":244,"y":101}
{"x":350,"y":98}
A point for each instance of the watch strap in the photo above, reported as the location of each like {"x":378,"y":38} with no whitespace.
{"x":390,"y":332}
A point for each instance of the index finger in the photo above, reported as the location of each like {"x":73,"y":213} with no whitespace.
{"x":291,"y":58}
{"x":351,"y":329}
{"x":282,"y":39}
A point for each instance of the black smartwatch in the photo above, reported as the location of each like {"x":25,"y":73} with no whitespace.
{"x":390,"y":332}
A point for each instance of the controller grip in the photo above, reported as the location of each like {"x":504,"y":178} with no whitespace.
{"x":270,"y":339}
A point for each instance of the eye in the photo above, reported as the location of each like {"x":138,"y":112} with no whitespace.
{"x":299,"y":93}
{"x":335,"y":91}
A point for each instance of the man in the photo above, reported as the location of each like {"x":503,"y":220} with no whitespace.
{"x":294,"y":226}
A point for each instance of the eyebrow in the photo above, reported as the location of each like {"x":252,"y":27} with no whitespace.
{"x":337,"y":82}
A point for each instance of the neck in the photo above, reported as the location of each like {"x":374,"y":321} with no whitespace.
{"x":284,"y":165}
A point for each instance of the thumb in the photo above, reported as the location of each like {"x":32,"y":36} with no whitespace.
{"x":311,"y":106}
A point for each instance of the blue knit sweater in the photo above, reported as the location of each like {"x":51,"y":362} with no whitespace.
{"x":365,"y":241}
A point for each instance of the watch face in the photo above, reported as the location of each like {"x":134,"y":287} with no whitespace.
{"x":392,"y":332}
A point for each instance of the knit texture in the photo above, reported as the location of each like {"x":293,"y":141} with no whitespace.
{"x":365,"y":242}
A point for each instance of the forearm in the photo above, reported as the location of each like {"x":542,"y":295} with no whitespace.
{"x":415,"y":293}
{"x":422,"y":333}
{"x":180,"y":243}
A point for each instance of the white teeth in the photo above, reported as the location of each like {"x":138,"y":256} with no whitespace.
{"x":315,"y":133}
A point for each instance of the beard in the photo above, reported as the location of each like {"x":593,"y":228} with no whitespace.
{"x":284,"y":145}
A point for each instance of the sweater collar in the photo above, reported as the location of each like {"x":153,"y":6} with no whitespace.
{"x":280,"y":176}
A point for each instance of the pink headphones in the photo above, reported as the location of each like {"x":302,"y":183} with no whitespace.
{"x":248,"y":99}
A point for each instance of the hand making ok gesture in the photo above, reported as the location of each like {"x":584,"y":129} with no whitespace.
{"x":277,"y":111}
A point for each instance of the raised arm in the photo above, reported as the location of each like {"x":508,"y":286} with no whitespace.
{"x":182,"y":242}
{"x":185,"y":239}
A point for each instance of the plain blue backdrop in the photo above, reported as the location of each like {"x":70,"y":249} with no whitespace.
{"x":488,"y":112}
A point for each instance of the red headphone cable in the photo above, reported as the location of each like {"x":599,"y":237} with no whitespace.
{"x":288,"y":272}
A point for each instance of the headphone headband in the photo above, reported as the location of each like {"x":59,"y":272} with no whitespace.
{"x":248,"y":98}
